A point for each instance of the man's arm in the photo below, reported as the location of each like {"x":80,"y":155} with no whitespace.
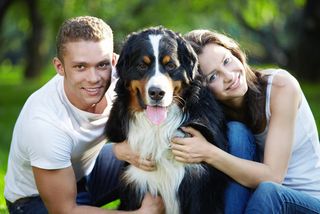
{"x":58,"y":191}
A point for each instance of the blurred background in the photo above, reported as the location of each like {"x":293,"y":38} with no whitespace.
{"x":273,"y":33}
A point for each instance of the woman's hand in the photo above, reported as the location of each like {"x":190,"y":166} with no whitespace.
{"x":192,"y":149}
{"x":124,"y":152}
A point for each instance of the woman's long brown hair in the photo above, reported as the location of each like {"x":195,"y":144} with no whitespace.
{"x":254,"y":116}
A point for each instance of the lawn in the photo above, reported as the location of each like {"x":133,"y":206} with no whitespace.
{"x":14,"y":92}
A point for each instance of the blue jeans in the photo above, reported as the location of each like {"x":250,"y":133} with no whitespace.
{"x":272,"y":198}
{"x":96,"y":189}
{"x":241,"y":144}
{"x":269,"y":197}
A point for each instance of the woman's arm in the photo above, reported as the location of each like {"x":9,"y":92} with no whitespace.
{"x":285,"y":98}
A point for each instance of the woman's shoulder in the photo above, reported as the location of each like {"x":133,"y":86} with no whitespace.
{"x":282,"y":79}
{"x":285,"y":87}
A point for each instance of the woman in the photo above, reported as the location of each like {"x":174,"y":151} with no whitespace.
{"x":270,"y":102}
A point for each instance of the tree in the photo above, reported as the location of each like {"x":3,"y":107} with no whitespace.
{"x":34,"y":57}
{"x":305,"y":57}
{"x":289,"y":32}
{"x":273,"y":31}
{"x":4,"y":5}
{"x":34,"y":36}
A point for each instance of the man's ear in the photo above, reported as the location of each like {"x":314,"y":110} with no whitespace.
{"x":58,"y":66}
{"x":115,"y":58}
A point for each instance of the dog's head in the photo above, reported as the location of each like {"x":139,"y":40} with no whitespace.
{"x":155,"y":66}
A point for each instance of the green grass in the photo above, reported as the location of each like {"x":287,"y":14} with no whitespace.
{"x":312,"y":93}
{"x":14,"y":92}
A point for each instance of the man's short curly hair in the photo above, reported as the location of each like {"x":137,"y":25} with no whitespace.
{"x":86,"y":28}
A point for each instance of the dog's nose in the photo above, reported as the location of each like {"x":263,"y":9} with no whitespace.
{"x":156,"y":93}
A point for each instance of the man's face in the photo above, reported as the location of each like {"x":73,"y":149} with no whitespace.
{"x":86,"y":68}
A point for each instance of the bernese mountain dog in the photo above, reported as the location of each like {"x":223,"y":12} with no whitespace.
{"x":158,"y":91}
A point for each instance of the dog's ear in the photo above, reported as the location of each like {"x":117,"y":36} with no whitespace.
{"x":188,"y":57}
{"x":118,"y":122}
{"x":122,"y":63}
{"x":126,"y":55}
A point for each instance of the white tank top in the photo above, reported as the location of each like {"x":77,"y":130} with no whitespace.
{"x":304,"y":166}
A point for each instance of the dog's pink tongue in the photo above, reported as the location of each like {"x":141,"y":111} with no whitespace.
{"x":156,"y":114}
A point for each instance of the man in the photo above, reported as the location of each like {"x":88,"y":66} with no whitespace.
{"x":58,"y":159}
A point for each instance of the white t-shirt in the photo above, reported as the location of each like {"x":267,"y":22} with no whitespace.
{"x":51,"y":133}
{"x":304,"y":165}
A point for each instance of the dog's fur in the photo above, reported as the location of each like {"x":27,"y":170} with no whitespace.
{"x":157,"y":67}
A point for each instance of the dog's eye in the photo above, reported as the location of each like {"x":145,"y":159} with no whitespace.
{"x":142,"y":67}
{"x":170,"y":66}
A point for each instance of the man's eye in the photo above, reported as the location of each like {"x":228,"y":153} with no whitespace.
{"x":104,"y":65}
{"x":80,"y":67}
{"x":170,"y":66}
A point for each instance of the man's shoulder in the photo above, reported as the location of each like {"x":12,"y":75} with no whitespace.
{"x":48,"y":94}
{"x":46,"y":102}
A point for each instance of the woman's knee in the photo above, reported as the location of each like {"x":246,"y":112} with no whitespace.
{"x":267,"y":190}
{"x":241,"y":140}
{"x":267,"y":194}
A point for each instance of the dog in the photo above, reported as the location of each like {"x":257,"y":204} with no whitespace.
{"x":159,"y":91}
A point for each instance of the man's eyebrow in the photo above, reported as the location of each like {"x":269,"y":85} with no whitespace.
{"x":78,"y":63}
{"x":105,"y":61}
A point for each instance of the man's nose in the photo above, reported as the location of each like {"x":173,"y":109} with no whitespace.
{"x":93,"y":75}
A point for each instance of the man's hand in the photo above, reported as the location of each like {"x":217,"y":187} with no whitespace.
{"x":151,"y":204}
{"x":124,"y":152}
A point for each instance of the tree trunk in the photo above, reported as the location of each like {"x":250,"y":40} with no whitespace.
{"x":4,"y":5}
{"x":306,"y":58}
{"x":34,"y":56}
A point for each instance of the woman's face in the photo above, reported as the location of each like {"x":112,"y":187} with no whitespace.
{"x":224,"y":73}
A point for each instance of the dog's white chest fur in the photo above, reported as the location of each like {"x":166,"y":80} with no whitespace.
{"x":152,"y":141}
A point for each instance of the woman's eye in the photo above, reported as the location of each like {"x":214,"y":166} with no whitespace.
{"x":226,"y":61}
{"x":170,"y":66}
{"x":212,"y":77}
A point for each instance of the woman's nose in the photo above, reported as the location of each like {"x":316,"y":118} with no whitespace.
{"x":228,"y":76}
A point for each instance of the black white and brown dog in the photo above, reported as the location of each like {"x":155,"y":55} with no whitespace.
{"x":159,"y":91}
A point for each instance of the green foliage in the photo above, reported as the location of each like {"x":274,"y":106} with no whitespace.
{"x":260,"y":14}
{"x":125,"y":17}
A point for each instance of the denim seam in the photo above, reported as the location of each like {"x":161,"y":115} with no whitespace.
{"x":297,"y":203}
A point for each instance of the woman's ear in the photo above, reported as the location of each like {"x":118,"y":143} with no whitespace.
{"x":58,"y":66}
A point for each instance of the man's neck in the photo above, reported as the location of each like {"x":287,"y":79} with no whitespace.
{"x":99,"y":107}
